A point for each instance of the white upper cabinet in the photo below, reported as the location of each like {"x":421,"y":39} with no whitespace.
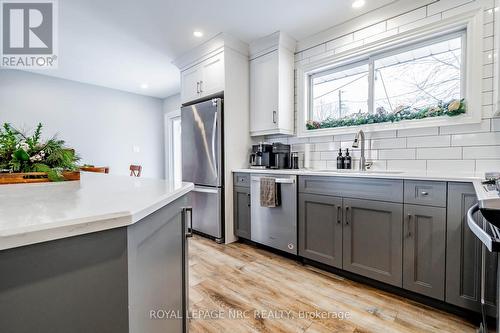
{"x":203,"y":79}
{"x":272,"y":85}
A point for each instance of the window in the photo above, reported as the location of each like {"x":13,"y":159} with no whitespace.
{"x":420,"y":80}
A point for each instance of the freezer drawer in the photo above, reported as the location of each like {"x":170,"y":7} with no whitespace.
{"x":275,"y":227}
{"x":207,"y":210}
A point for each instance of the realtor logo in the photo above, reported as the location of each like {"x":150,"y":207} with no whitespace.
{"x":28,"y":33}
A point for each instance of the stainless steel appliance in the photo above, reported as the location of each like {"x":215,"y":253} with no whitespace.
{"x":488,"y":232}
{"x":275,"y":227}
{"x":270,"y":156}
{"x":260,"y":158}
{"x":202,"y":164}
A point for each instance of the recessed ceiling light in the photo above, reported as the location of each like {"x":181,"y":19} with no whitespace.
{"x":358,"y":3}
{"x":198,"y":33}
{"x":144,"y":86}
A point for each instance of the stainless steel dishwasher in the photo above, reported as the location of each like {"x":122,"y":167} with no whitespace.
{"x":275,"y":227}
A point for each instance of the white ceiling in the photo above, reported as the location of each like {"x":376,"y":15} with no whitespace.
{"x":121,"y":44}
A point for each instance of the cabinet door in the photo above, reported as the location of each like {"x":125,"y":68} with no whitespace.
{"x":424,"y":250}
{"x":212,"y":80}
{"x":463,"y":254}
{"x":190,"y":82}
{"x":264,"y":85}
{"x":373,"y":235}
{"x":242,"y":212}
{"x":320,"y":228}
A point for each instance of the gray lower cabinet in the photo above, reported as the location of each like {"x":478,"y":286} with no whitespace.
{"x":242,"y":212}
{"x":320,"y":228}
{"x":424,"y":250}
{"x":463,"y":254}
{"x":372,"y":238}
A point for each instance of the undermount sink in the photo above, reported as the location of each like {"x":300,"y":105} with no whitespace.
{"x":359,"y":171}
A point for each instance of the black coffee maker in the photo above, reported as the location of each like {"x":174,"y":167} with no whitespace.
{"x":270,"y":156}
{"x":281,"y":156}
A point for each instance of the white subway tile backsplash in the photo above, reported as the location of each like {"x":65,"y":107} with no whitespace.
{"x":314,"y":51}
{"x":476,"y":139}
{"x":439,"y":153}
{"x":328,"y":155}
{"x":397,"y":154}
{"x":380,"y":36}
{"x":481,"y":153}
{"x":349,"y":46}
{"x":483,"y":126}
{"x":388,"y":143}
{"x":325,"y":146}
{"x":321,"y":139}
{"x":403,"y":165}
{"x":460,"y":9}
{"x":487,"y":165}
{"x":488,"y":43}
{"x":443,"y":5}
{"x":456,"y":166}
{"x":381,"y":134}
{"x":420,"y":23}
{"x":429,"y":141}
{"x":341,"y":41}
{"x":370,"y":31}
{"x":412,"y":16}
{"x":418,"y":131}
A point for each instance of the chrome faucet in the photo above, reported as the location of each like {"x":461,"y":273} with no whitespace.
{"x":360,"y":139}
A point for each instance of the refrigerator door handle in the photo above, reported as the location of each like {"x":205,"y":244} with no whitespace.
{"x":214,"y":138}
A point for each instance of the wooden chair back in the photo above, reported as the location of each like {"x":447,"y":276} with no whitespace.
{"x":135,"y":170}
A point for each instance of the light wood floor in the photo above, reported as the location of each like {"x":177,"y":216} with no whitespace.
{"x":225,"y":279}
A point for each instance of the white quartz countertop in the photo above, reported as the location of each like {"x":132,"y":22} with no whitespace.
{"x":33,"y":213}
{"x":445,"y":175}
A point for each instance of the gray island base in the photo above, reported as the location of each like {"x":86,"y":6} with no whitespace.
{"x":107,"y":281}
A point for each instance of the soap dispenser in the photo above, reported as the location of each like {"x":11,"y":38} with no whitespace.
{"x":340,"y":160}
{"x":347,"y":160}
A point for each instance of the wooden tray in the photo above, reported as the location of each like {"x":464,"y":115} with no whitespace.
{"x":34,"y":177}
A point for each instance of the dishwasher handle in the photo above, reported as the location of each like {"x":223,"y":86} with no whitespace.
{"x":276,"y":180}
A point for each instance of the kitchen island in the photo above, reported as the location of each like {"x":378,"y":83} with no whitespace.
{"x":105,"y":254}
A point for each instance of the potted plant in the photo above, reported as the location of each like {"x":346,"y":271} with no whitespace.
{"x":27,"y":158}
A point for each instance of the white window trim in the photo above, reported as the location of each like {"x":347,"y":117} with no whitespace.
{"x":169,"y":148}
{"x":471,"y":21}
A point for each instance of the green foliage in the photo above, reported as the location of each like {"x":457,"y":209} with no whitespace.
{"x":20,"y":152}
{"x":451,"y":109}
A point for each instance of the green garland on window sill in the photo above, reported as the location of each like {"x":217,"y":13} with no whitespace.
{"x":450,"y":109}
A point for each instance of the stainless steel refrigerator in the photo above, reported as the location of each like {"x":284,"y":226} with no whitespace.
{"x":202,"y":164}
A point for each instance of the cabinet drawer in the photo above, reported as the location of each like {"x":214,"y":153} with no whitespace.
{"x":241,"y":179}
{"x":428,"y":193}
{"x":352,"y":187}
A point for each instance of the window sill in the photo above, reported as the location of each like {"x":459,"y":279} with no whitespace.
{"x":404,"y":124}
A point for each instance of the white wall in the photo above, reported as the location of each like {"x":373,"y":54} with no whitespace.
{"x":172,"y":103}
{"x":103,"y":125}
{"x":463,"y":148}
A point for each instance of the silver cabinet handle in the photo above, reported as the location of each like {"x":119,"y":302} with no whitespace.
{"x":249,"y":200}
{"x":408,"y":235}
{"x":347,"y":209}
{"x":274,"y":117}
{"x":277,"y":180}
{"x":201,"y":87}
{"x":188,"y":212}
{"x":339,"y":215}
{"x":198,"y":87}
{"x":424,"y":193}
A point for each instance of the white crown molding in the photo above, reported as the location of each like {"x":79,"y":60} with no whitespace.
{"x":393,"y":9}
{"x":271,"y":43}
{"x":210,"y":48}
